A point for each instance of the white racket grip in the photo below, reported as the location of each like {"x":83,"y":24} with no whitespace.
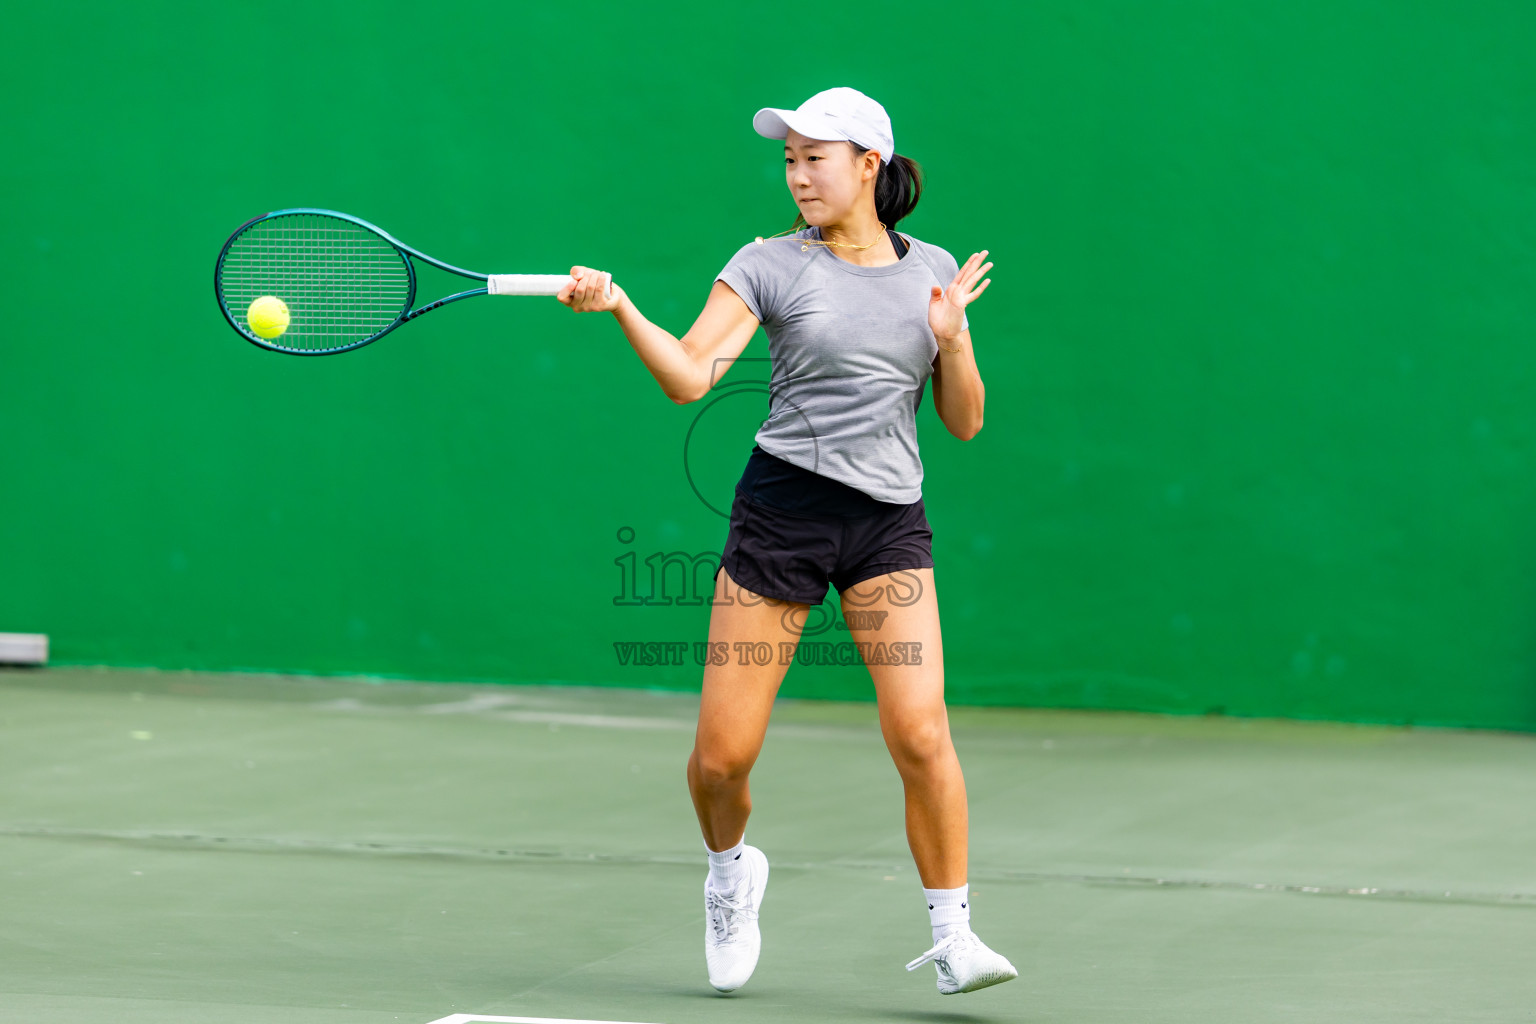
{"x":533,"y":284}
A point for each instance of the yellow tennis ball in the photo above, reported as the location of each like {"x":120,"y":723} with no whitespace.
{"x":268,"y":317}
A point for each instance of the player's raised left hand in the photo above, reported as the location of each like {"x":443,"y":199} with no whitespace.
{"x":946,"y":306}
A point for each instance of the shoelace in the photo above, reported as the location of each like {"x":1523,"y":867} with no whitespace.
{"x":944,"y":945}
{"x":734,"y":901}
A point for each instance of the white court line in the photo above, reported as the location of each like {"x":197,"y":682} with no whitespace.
{"x":467,"y":1018}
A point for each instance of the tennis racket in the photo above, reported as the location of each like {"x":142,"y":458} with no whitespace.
{"x":317,"y":282}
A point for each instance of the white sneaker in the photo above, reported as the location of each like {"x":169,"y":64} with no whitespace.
{"x":731,"y":937}
{"x":965,"y":964}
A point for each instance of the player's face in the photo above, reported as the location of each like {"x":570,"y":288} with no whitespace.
{"x":823,"y":178}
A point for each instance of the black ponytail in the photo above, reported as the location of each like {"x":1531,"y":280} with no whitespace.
{"x":897,"y":189}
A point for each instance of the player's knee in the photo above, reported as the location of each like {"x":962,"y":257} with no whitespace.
{"x":720,"y":767}
{"x":918,"y":745}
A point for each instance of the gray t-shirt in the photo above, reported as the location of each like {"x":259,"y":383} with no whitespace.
{"x":851,"y":352}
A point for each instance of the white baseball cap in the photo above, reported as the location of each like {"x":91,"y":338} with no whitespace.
{"x":832,"y":115}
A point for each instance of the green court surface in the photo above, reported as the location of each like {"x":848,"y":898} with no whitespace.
{"x":182,"y":847}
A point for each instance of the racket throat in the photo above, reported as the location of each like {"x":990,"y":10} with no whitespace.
{"x":413,"y":314}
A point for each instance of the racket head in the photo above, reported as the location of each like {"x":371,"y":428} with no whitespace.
{"x":345,"y":282}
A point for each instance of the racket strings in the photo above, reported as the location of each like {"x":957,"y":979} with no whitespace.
{"x":341,"y":282}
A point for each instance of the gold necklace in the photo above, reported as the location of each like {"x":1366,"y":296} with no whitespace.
{"x":806,"y":243}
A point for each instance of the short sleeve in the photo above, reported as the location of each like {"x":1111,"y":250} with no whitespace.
{"x":748,"y":275}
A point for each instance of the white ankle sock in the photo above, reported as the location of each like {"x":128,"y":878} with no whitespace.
{"x":949,"y":910}
{"x":726,"y":868}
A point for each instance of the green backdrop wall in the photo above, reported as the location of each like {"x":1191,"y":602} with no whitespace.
{"x":1257,"y":352}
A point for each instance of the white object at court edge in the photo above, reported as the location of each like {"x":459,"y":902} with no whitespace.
{"x":23,"y":648}
{"x":732,"y":939}
{"x":840,"y":114}
{"x":535,"y":284}
{"x":965,"y":964}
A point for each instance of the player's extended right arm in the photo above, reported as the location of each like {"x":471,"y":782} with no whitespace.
{"x":687,"y":367}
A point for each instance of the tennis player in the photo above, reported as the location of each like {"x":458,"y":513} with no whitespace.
{"x":859,"y":318}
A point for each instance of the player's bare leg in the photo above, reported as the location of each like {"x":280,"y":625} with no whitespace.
{"x":896,"y":617}
{"x":734,"y":708}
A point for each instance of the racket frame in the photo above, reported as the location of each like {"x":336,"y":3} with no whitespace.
{"x":406,"y":314}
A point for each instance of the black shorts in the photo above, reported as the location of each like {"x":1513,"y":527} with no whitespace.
{"x":794,"y":531}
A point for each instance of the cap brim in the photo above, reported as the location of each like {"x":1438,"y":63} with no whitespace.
{"x":775,"y":123}
{"x":769,"y":123}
